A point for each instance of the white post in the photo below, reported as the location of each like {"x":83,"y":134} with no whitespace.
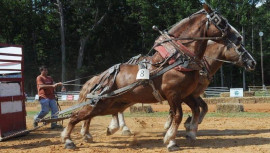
{"x":261,"y":34}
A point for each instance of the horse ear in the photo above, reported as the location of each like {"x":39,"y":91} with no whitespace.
{"x":207,"y":8}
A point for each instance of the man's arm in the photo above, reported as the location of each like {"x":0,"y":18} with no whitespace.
{"x":43,"y":86}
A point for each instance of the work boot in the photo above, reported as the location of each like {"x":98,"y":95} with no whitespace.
{"x":35,"y":124}
{"x":56,"y":126}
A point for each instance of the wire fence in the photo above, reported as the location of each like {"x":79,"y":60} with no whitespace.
{"x":215,"y":91}
{"x":209,"y":92}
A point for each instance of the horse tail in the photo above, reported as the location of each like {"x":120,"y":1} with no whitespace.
{"x":86,"y":88}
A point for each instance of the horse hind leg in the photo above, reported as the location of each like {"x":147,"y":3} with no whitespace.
{"x":204,"y":109}
{"x":191,"y":124}
{"x":76,"y":117}
{"x":123,"y":126}
{"x":114,"y":125}
{"x":87,"y":137}
{"x":65,"y":135}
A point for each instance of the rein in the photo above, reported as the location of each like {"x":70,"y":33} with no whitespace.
{"x":78,"y":79}
{"x":213,"y":18}
{"x":72,"y":85}
{"x":225,"y":61}
{"x":68,"y":84}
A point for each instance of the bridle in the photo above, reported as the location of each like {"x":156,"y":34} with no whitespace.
{"x":215,"y":19}
{"x":212,"y":18}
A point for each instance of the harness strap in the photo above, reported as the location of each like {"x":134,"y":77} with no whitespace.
{"x":179,"y":61}
{"x":155,"y":92}
{"x":134,"y":59}
{"x":122,"y":90}
{"x":91,"y":102}
{"x":104,"y":83}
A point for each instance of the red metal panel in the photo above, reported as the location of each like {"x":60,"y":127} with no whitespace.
{"x":10,"y":61}
{"x":10,"y":54}
{"x":0,"y":121}
{"x":12,"y":98}
{"x":12,"y":122}
{"x":11,"y":69}
{"x":11,"y":79}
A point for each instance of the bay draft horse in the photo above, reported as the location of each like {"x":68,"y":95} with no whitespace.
{"x":172,"y":85}
{"x":214,"y":57}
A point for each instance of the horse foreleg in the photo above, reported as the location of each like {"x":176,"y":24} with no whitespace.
{"x":87,"y":137}
{"x":114,"y":125}
{"x":123,"y":126}
{"x":171,"y":133}
{"x":204,"y":108}
{"x":169,"y":121}
{"x":76,"y":117}
{"x":191,"y":124}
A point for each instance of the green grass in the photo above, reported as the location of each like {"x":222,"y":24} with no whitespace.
{"x":31,"y":113}
{"x":165,"y":114}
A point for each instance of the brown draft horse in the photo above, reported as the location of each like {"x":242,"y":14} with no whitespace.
{"x":173,"y":85}
{"x":214,"y":57}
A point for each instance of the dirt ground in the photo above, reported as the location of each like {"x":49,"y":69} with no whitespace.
{"x":216,"y":135}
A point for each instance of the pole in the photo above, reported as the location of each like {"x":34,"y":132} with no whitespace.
{"x":261,"y":34}
{"x":244,"y":71}
{"x":221,"y":76}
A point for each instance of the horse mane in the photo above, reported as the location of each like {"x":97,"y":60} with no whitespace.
{"x":176,"y":27}
{"x":86,"y":88}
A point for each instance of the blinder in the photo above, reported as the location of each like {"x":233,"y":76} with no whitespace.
{"x":219,"y":22}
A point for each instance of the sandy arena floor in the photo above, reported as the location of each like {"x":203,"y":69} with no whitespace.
{"x":216,"y":135}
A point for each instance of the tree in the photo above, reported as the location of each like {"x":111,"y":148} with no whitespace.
{"x":63,"y":45}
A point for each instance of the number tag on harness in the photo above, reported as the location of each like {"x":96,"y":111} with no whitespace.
{"x":143,"y":74}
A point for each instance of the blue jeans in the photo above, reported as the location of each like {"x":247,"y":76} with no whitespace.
{"x":46,"y":106}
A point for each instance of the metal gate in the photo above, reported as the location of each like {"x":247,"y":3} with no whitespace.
{"x":12,"y":97}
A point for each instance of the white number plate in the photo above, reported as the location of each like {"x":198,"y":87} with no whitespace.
{"x":143,"y":74}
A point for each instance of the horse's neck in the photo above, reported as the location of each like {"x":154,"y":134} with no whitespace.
{"x":192,"y":27}
{"x":214,"y":65}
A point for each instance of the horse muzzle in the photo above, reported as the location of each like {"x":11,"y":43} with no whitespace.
{"x":250,"y":65}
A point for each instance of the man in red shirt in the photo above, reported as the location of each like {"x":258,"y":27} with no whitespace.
{"x":45,"y":88}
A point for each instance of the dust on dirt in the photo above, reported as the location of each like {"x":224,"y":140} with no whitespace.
{"x":216,"y":134}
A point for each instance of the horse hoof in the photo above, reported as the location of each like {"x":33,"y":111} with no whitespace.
{"x":173,"y":148}
{"x":126,"y":133}
{"x":187,"y":126}
{"x":108,"y":132}
{"x":88,"y":140}
{"x":70,"y":145}
{"x":191,"y":139}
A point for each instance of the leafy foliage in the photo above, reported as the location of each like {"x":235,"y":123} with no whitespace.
{"x":126,"y":32}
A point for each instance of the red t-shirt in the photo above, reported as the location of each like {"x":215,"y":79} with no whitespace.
{"x":45,"y":92}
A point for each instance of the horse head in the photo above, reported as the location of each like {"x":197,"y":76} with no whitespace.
{"x":236,"y":52}
{"x":202,"y":26}
{"x":239,"y":56}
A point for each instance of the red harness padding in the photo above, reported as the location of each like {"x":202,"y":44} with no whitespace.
{"x":165,"y":54}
